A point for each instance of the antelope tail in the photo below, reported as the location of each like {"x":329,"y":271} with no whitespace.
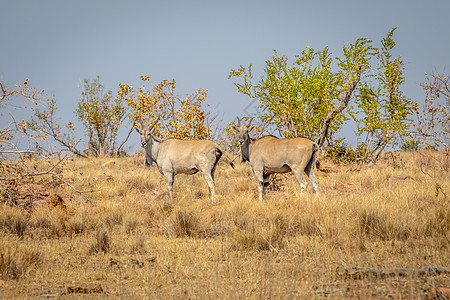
{"x":229,"y":161}
{"x":315,"y":149}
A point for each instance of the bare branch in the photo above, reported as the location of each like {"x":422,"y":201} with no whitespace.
{"x":342,"y":105}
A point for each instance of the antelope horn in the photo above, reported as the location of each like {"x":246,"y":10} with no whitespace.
{"x":250,"y":122}
{"x":154,"y":123}
{"x":141,"y":126}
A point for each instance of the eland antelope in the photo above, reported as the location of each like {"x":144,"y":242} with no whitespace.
{"x":269,"y":154}
{"x":173,"y":156}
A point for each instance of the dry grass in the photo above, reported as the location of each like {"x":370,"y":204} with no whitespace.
{"x":285,"y":247}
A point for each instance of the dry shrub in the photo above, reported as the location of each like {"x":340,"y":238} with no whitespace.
{"x":165,"y":207}
{"x":243,"y":222}
{"x":136,"y":183}
{"x":183,"y":223}
{"x":268,"y":235}
{"x":213,"y":231}
{"x":439,"y":222}
{"x":367,"y":183}
{"x":436,"y":160}
{"x":89,"y":216}
{"x":52,"y":222}
{"x":244,"y":183}
{"x":378,"y":225}
{"x":138,"y":245}
{"x":76,"y":226}
{"x":240,"y":216}
{"x":9,"y":192}
{"x":130,"y":225}
{"x":15,"y":221}
{"x":244,"y":240}
{"x":272,"y":235}
{"x":113,"y":218}
{"x":309,"y":226}
{"x":13,"y":265}
{"x":59,"y":226}
{"x":372,"y":223}
{"x":102,"y":242}
{"x":395,"y":159}
{"x":153,"y":213}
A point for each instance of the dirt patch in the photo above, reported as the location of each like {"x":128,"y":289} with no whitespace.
{"x":346,"y":187}
{"x":155,"y":195}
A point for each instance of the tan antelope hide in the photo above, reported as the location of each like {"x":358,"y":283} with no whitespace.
{"x":174,"y":156}
{"x":269,"y":154}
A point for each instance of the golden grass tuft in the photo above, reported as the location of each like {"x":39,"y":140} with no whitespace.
{"x":15,"y":264}
{"x":183,"y":223}
{"x":101,"y":243}
{"x":14,"y":221}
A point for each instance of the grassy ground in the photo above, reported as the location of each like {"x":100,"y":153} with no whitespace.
{"x":289,"y":246}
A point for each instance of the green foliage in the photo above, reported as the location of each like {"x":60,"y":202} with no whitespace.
{"x":311,"y":96}
{"x":410,"y":145}
{"x":296,"y":99}
{"x":101,"y":115}
{"x":384,"y":111}
{"x":340,"y":152}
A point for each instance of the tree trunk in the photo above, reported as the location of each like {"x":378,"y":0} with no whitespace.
{"x":342,"y":105}
{"x":116,"y":152}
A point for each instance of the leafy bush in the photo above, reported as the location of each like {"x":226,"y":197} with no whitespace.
{"x":410,"y":145}
{"x":340,"y":152}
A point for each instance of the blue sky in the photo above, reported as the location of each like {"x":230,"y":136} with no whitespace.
{"x":57,"y":44}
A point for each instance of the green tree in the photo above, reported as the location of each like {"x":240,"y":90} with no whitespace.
{"x":101,"y":115}
{"x":384,"y":111}
{"x":308,"y":97}
{"x":312,"y":97}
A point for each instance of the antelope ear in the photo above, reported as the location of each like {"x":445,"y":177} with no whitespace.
{"x":137,"y":130}
{"x":253,"y":129}
{"x":239,"y":121}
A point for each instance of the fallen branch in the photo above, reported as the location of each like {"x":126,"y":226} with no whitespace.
{"x":365,"y":272}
